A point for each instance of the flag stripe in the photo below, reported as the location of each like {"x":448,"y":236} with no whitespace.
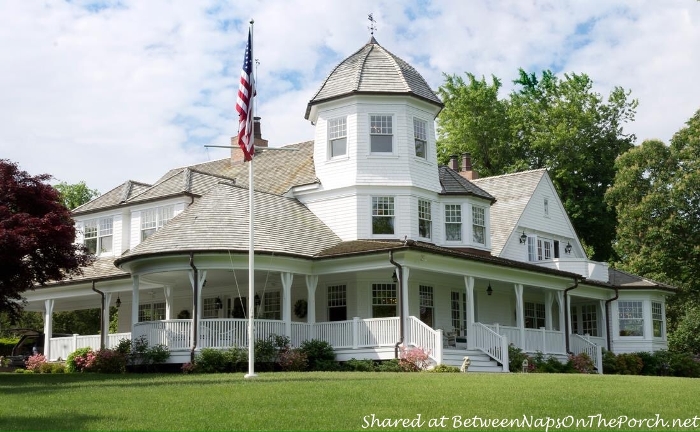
{"x":244,"y":103}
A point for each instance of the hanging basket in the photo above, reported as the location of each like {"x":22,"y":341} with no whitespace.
{"x":301,"y":308}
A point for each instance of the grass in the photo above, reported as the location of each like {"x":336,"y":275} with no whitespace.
{"x":326,"y":401}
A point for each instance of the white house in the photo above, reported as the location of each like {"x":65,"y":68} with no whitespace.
{"x":361,"y":239}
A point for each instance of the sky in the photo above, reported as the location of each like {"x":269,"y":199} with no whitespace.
{"x":113,"y":90}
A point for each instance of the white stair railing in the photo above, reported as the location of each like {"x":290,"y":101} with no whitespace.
{"x":423,"y":336}
{"x":491,"y":343}
{"x":580,"y":344}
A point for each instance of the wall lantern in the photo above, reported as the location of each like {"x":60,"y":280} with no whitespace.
{"x":523,"y":238}
{"x":218,"y":303}
{"x":394,"y":277}
{"x":256,"y":300}
{"x":489,"y":290}
{"x":118,"y":303}
{"x":567,"y":248}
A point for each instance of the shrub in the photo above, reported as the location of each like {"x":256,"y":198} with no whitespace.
{"x":46,"y":368}
{"x":80,"y":359}
{"x":236,"y":359}
{"x":58,"y":368}
{"x":609,"y":362}
{"x":35,"y":362}
{"x":319,"y":353}
{"x":629,"y":364}
{"x":516,"y":357}
{"x":109,"y":361}
{"x":293,"y":360}
{"x":188,"y":368}
{"x":210,"y":360}
{"x":354,"y":365}
{"x":443,"y":368}
{"x":413,"y":359}
{"x":582,"y":363}
{"x":124,"y":346}
{"x":393,"y":365}
{"x":684,"y":365}
{"x":6,"y":345}
{"x":266,"y":351}
{"x":142,"y":354}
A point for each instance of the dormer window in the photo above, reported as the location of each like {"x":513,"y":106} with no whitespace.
{"x":337,"y":137}
{"x":541,"y":249}
{"x":381,"y":134}
{"x":154,"y":219}
{"x":97,"y":235}
{"x":420,"y":137}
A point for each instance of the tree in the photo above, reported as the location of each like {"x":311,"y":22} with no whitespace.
{"x":75,"y":195}
{"x":36,"y":236}
{"x":558,"y":124}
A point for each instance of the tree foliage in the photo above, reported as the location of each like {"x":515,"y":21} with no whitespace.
{"x":558,"y":124}
{"x":36,"y":236}
{"x":75,"y":195}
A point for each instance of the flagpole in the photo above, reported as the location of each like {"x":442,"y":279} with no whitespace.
{"x":251,"y":247}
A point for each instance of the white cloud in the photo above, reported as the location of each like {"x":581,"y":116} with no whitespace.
{"x":109,"y":91}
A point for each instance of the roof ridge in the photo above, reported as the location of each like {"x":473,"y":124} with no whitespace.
{"x":510,"y":174}
{"x":397,"y":67}
{"x":178,"y":172}
{"x":361,"y":68}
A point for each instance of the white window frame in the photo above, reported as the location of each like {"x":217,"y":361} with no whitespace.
{"x":272,"y":305}
{"x":155,"y":218}
{"x":420,"y":137}
{"x":384,"y":207}
{"x":381,"y":125}
{"x":631,"y":313}
{"x":384,"y":297}
{"x":425,"y":220}
{"x":209,"y":309}
{"x":536,"y":313}
{"x":456,"y":310}
{"x":153,"y":311}
{"x":337,"y":132}
{"x":453,"y":218}
{"x":426,"y":304}
{"x":540,"y":249}
{"x":589,"y":319}
{"x":337,"y":298}
{"x":657,"y":318}
{"x":101,"y":231}
{"x":479,"y":224}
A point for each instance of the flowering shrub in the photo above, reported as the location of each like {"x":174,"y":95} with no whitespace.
{"x":188,"y":368}
{"x":293,"y":359}
{"x":414,"y":359}
{"x":34,"y":362}
{"x":582,"y":363}
{"x":80,"y":359}
{"x":108,"y":361}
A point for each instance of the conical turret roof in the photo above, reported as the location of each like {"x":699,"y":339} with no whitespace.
{"x":373,"y":70}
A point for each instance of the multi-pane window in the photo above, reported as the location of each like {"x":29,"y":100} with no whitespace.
{"x":589,"y":320}
{"x":630,"y":318}
{"x":154,"y":219}
{"x":539,"y":249}
{"x":381,"y":134}
{"x":382,"y":215}
{"x":152,"y":311}
{"x":453,"y":222}
{"x":420,"y":137}
{"x":455,"y":310}
{"x":479,"y":225}
{"x":338,"y":137}
{"x":424,"y":219}
{"x":337,"y":303}
{"x":534,"y":315}
{"x":574,"y":320}
{"x":657,"y":319}
{"x":383,"y":300}
{"x":209,"y":309}
{"x":97,"y":235}
{"x":272,"y":306}
{"x":426,"y":304}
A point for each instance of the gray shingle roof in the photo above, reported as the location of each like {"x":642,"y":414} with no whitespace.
{"x":102,"y":268}
{"x":512,"y":192}
{"x":219,"y":222}
{"x":454,"y":184}
{"x":373,"y":70}
{"x":622,"y":279}
{"x":113,"y":198}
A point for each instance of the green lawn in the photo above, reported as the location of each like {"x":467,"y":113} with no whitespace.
{"x":330,"y":401}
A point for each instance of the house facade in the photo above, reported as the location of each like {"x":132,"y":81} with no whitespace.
{"x":361,"y":239}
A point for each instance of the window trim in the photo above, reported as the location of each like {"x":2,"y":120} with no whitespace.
{"x":474,"y":225}
{"x":425,"y":210}
{"x":420,"y":134}
{"x":102,"y":232}
{"x":638,"y":306}
{"x":391,"y":202}
{"x":337,"y":298}
{"x":385,"y":301}
{"x":658,"y":319}
{"x":381,"y":133}
{"x":159,"y":221}
{"x":426,"y":300}
{"x":331,"y":128}
{"x":450,"y":217}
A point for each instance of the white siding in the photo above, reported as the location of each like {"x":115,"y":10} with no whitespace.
{"x":338,"y":213}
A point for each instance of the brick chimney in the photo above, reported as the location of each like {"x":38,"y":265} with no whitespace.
{"x":453,"y":163}
{"x":466,"y":170}
{"x":258,"y":141}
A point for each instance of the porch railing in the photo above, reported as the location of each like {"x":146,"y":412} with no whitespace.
{"x":491,"y":343}
{"x":423,"y":336}
{"x":545,"y":341}
{"x":580,"y":344}
{"x":60,"y":347}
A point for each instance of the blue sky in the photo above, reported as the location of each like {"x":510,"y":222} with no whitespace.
{"x":105,"y":91}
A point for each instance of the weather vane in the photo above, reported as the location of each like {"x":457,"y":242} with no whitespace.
{"x":372,"y":27}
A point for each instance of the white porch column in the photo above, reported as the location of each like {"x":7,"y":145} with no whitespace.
{"x":105,"y":314}
{"x":202,"y":276}
{"x":520,"y":313}
{"x":603,"y":323}
{"x":48,"y":327}
{"x":548,"y":300}
{"x":287,"y":279}
{"x":168,"y":293}
{"x":568,"y":314}
{"x":469,"y":284}
{"x":404,"y":295}
{"x":560,"y":302}
{"x":134,"y":301}
{"x":311,"y":284}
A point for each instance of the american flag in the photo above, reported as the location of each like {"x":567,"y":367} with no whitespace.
{"x":244,"y":103}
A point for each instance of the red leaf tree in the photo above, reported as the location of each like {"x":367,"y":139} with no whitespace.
{"x":37,"y":236}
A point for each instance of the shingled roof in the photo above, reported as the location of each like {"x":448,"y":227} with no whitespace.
{"x":113,"y":198}
{"x":102,"y":269}
{"x":373,"y":70}
{"x":513,"y":192}
{"x":622,"y":279}
{"x":454,"y":184}
{"x":218,"y":222}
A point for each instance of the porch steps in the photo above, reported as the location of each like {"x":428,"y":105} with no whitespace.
{"x":480,"y":362}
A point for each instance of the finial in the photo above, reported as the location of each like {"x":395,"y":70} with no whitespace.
{"x":372,"y":24}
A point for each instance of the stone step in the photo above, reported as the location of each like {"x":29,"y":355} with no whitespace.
{"x":480,"y":362}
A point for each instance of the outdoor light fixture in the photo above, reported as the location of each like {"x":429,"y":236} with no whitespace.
{"x":394,"y":277}
{"x":218,"y":304}
{"x":523,"y":238}
{"x":489,"y":290}
{"x":567,"y":248}
{"x":257,"y":300}
{"x":118,"y":302}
